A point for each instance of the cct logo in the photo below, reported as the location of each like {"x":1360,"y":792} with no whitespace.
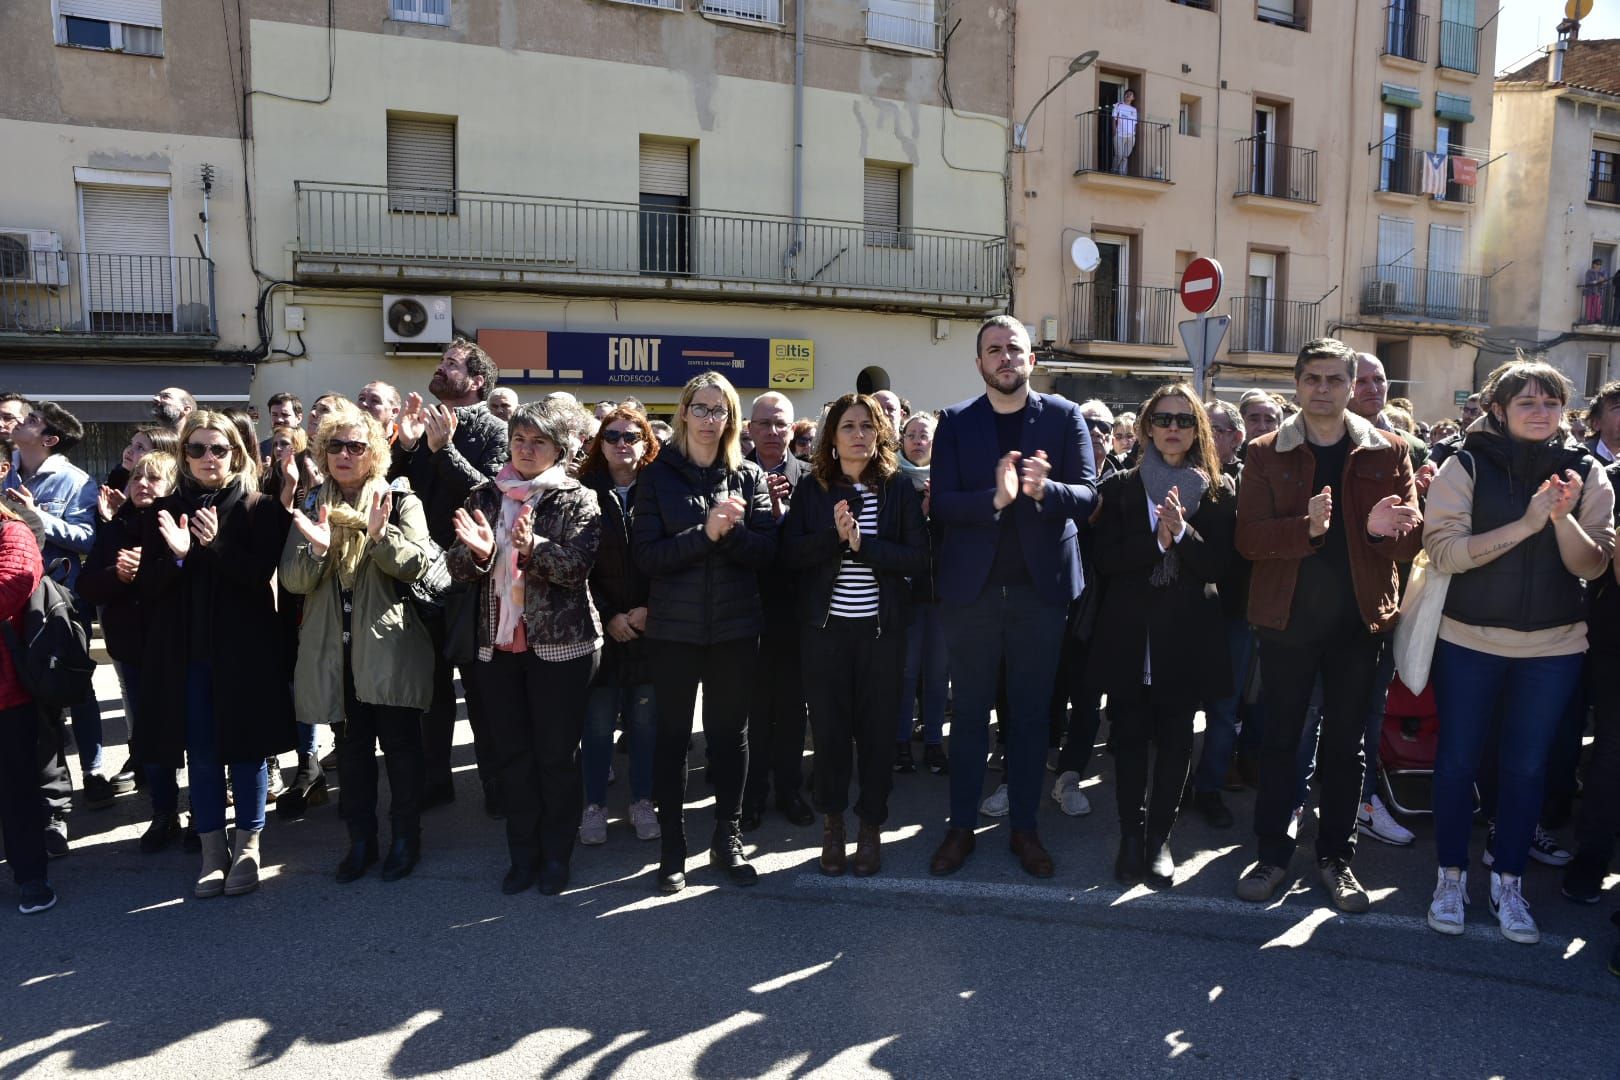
{"x":793,"y":363}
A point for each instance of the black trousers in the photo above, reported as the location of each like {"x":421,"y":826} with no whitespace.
{"x":1346,"y":656}
{"x":1140,"y":728}
{"x":852,"y":673}
{"x":22,"y":813}
{"x":537,"y":718}
{"x":439,"y":721}
{"x":1600,"y":807}
{"x":776,"y":718}
{"x":53,"y":781}
{"x":726,"y":671}
{"x":397,"y":729}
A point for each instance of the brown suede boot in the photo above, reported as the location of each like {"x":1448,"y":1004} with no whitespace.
{"x":868,"y":847}
{"x":833,"y":858}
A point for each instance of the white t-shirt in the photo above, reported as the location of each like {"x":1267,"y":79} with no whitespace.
{"x":1124,"y":119}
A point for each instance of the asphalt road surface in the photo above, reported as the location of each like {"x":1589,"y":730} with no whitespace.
{"x":985,"y":974}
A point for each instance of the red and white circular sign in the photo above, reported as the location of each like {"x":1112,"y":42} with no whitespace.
{"x":1201,"y":285}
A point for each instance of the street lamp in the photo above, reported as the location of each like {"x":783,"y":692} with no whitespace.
{"x":1076,"y":66}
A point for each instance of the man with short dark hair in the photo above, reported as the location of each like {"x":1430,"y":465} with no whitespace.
{"x":13,"y":411}
{"x":286,"y":410}
{"x":1603,"y":423}
{"x":1326,"y":509}
{"x":1471,"y":410}
{"x":171,"y":406}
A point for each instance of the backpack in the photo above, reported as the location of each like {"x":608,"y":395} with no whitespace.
{"x":53,"y":656}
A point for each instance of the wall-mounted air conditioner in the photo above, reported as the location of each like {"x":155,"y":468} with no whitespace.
{"x":32,"y":256}
{"x":417,"y":320}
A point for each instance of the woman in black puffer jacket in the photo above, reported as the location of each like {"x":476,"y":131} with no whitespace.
{"x":703,"y":529}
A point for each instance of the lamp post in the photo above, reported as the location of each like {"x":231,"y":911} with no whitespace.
{"x":1076,"y":66}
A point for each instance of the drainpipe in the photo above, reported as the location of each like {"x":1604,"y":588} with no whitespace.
{"x":790,"y":258}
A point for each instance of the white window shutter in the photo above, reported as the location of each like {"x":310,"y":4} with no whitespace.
{"x":133,"y":12}
{"x":666,"y":169}
{"x":421,"y":165}
{"x":1395,"y":242}
{"x":1446,"y":248}
{"x":882,"y":201}
{"x":126,"y":265}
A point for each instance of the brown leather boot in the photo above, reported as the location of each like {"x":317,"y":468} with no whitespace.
{"x":868,"y":848}
{"x":1026,"y":844}
{"x":952,"y":852}
{"x":833,"y":857}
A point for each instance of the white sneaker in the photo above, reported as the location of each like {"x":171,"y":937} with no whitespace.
{"x":1450,"y":895}
{"x":996,"y":804}
{"x":645,"y":819}
{"x":1067,"y":794}
{"x":1374,"y":820}
{"x":593,"y":825}
{"x":1512,"y":911}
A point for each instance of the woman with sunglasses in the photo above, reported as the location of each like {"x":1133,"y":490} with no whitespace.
{"x":365,"y":662}
{"x":703,"y":530}
{"x":528,"y":538}
{"x":623,"y":688}
{"x":209,"y":618}
{"x":804,"y":438}
{"x":1162,"y":540}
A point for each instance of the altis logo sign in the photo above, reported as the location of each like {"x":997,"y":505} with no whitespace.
{"x":793,"y":364}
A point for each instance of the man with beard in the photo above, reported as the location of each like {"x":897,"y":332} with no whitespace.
{"x":453,"y":447}
{"x":171,"y":406}
{"x":1013,"y":476}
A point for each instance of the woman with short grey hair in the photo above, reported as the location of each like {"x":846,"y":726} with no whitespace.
{"x":528,"y":539}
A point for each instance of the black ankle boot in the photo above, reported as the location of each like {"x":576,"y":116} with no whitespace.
{"x":726,"y":853}
{"x":362,"y":853}
{"x":1161,"y":868}
{"x":672,"y":861}
{"x":163,"y":831}
{"x":553,"y":877}
{"x":403,"y":855}
{"x":308,"y":788}
{"x":1131,"y":865}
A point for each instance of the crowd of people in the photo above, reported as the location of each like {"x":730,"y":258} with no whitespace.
{"x":847,"y":580}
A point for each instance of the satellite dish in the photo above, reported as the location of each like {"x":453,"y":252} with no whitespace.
{"x":407,"y":318}
{"x":1578,"y":9}
{"x":1084,"y":254}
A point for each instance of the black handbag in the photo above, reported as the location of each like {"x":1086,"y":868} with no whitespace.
{"x":428,"y":591}
{"x":461,"y":604}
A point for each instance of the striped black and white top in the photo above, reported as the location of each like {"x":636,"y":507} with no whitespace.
{"x":855,"y":592}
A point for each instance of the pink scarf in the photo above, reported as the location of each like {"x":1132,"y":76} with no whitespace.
{"x":516,"y":492}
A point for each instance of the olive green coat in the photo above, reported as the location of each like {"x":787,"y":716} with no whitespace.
{"x":392,"y":655}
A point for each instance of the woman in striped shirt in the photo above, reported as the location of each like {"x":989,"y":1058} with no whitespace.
{"x":856,"y":534}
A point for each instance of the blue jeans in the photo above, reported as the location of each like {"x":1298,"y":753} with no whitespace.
{"x":1221,"y":717}
{"x":1532,"y":694}
{"x":306,"y":738}
{"x":249,"y":779}
{"x":1017,"y":626}
{"x":926,"y":658}
{"x":602,"y":710}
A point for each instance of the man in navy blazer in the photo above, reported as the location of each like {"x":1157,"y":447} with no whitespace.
{"x":1013,"y":476}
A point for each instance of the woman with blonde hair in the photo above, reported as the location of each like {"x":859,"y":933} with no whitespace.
{"x":209,"y":617}
{"x":703,"y":530}
{"x":365,"y":662}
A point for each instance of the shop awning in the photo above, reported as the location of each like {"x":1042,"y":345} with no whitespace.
{"x":122,"y":392}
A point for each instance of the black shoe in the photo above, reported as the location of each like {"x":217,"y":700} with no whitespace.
{"x":1212,"y":808}
{"x":37,"y":896}
{"x":308,"y":788}
{"x":56,"y":841}
{"x":403,"y":855}
{"x":362,"y":853}
{"x":726,"y":853}
{"x":936,"y":761}
{"x":1582,"y":883}
{"x":190,"y":842}
{"x":797,"y":811}
{"x":437,"y":795}
{"x":98,"y":792}
{"x":672,"y":862}
{"x":493,"y":807}
{"x":553,"y":877}
{"x":163,"y":831}
{"x":903,"y":761}
{"x":1161,"y":867}
{"x":518,"y":879}
{"x":124,"y":780}
{"x":1130,"y":866}
{"x":750,"y":819}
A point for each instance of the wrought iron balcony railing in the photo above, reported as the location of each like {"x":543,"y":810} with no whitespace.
{"x":74,"y":293}
{"x":1112,"y":144}
{"x":1278,"y":171}
{"x":1459,"y":46}
{"x":1262,"y":325}
{"x":1406,"y":33}
{"x":1414,"y":292}
{"x":1123,"y":314}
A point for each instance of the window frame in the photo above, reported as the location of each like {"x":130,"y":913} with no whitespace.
{"x":416,"y":15}
{"x":117,"y":40}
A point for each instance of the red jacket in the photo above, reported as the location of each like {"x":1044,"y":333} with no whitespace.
{"x":20,"y":571}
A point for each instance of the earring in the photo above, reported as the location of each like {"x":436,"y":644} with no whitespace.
{"x":835,"y":453}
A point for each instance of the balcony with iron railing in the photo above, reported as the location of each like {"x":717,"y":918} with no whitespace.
{"x":920,"y":28}
{"x":1406,"y":33}
{"x":1272,"y":170}
{"x":1401,"y":171}
{"x":1598,"y":307}
{"x":768,"y":12}
{"x":1459,"y":47}
{"x":1412,"y":292}
{"x":71,"y":301}
{"x":1120,"y":314}
{"x":1137,"y":150}
{"x":1264,"y":325}
{"x":366,"y":232}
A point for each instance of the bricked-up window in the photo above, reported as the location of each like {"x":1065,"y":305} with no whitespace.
{"x":131,"y":26}
{"x":434,"y":12}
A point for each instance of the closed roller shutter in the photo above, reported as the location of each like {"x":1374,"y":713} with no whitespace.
{"x":666,"y":169}
{"x":882,"y":214}
{"x":421,"y":165}
{"x":133,"y":12}
{"x":126,"y":265}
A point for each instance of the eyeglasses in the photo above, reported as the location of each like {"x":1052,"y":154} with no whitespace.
{"x":701,"y":411}
{"x":352,"y":448}
{"x":616,"y":437}
{"x":1182,"y":420}
{"x":196,"y":451}
{"x":1222,"y":430}
{"x":1100,"y":427}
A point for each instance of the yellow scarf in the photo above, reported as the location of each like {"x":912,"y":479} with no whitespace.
{"x":348,"y":524}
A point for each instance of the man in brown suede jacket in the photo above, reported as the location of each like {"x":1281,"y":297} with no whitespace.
{"x":1326,"y":510}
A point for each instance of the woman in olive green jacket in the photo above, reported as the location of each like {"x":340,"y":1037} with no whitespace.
{"x":365,"y":663}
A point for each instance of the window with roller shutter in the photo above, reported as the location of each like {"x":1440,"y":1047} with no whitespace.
{"x":126,"y":271}
{"x":421,"y":165}
{"x":131,"y":26}
{"x":883,"y":210}
{"x":665,"y":218}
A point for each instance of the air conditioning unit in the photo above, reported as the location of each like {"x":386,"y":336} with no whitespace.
{"x":417,"y":320}
{"x":32,"y":256}
{"x":1386,"y":294}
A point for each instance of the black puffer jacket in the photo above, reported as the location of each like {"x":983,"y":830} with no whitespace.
{"x":617,"y":585}
{"x":443,"y":480}
{"x":702,"y":592}
{"x":99,"y":585}
{"x":896,"y":552}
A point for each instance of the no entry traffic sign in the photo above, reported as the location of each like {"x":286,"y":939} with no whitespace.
{"x":1201,"y":285}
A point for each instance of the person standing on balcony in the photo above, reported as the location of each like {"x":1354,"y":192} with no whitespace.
{"x":1124,"y":132}
{"x":1592,"y":292}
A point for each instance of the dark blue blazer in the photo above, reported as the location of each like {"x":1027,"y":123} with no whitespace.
{"x":962,"y":498}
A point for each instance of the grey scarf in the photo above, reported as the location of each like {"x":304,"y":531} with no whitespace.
{"x":917,"y":474}
{"x":1158,"y":478}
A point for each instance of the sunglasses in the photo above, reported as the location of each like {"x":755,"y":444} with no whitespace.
{"x":345,"y":446}
{"x":616,"y":437}
{"x":1100,"y":427}
{"x":197,"y":451}
{"x":1182,"y":420}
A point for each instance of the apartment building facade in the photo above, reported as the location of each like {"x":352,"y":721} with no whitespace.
{"x":1556,"y":210}
{"x":1288,"y":140}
